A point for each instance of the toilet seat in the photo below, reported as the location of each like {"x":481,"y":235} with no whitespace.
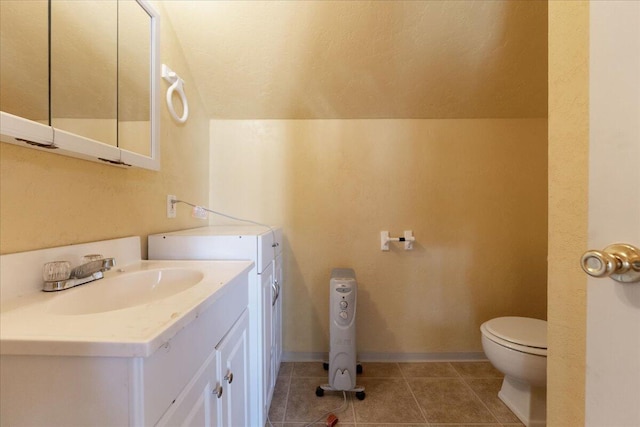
{"x":522,"y":334}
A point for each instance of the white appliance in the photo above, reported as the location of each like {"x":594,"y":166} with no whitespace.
{"x":264,"y":248}
{"x":343,"y":296}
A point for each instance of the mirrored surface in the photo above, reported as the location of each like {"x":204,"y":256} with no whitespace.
{"x":84,"y":74}
{"x":24,"y":67}
{"x":80,"y":78}
{"x":134,"y":78}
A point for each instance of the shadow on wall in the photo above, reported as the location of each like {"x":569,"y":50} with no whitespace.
{"x":472,"y":190}
{"x":406,"y":59}
{"x":491,"y":197}
{"x":372,"y":321}
{"x":307,"y":329}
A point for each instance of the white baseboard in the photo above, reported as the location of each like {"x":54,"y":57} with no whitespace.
{"x":292,"y":356}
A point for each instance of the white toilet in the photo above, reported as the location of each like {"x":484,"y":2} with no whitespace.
{"x":517,"y":347}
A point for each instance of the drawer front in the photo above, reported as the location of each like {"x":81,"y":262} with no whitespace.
{"x":266,"y":251}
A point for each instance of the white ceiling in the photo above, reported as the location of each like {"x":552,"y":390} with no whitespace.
{"x":365,"y":59}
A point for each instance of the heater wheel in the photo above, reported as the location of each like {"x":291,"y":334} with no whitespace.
{"x":360,"y":395}
{"x":325,"y":365}
{"x":320,"y":392}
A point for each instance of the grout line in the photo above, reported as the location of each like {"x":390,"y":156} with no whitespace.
{"x":456,"y":371}
{"x":286,"y":400}
{"x":480,"y":399}
{"x":415,"y":399}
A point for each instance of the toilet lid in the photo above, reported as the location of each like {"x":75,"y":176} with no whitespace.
{"x":520,"y":330}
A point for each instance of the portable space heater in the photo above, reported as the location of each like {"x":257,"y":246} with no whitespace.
{"x":342,"y":366}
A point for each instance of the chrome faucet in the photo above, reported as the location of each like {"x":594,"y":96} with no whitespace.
{"x":59,"y":276}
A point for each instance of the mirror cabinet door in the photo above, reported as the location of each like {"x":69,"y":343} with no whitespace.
{"x":80,"y":77}
{"x":24,"y":64}
{"x":84,"y":68}
{"x":134,"y":78}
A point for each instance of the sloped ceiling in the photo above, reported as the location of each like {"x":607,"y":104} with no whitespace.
{"x":365,"y":59}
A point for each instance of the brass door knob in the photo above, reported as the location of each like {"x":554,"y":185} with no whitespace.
{"x":619,"y":261}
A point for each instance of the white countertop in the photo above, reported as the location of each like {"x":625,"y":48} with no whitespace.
{"x":28,"y":326}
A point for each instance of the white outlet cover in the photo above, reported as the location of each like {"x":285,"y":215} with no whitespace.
{"x":171,"y":207}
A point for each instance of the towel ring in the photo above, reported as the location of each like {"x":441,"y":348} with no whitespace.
{"x":177,"y":85}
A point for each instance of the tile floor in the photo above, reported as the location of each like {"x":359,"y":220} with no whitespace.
{"x":452,"y":394}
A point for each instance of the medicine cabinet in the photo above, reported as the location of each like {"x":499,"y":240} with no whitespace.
{"x":80,"y":78}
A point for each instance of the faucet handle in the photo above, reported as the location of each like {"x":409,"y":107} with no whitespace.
{"x":108,"y":263}
{"x":105,"y":263}
{"x":56,"y":271}
{"x":92,"y":264}
{"x":91,"y":257}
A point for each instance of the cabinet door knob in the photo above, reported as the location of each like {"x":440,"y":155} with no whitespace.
{"x":217,"y":391}
{"x":229,"y":377}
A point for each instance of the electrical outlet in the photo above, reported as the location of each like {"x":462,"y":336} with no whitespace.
{"x":171,"y":206}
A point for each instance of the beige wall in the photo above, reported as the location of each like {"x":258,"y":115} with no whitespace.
{"x":568,"y":177}
{"x":49,"y":200}
{"x":473,"y":191}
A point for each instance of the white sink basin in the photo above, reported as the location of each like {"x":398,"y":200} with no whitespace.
{"x":136,"y":309}
{"x":124,"y":290}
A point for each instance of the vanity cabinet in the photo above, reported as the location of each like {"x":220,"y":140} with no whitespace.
{"x":264,"y":248}
{"x":216,"y":394}
{"x":177,"y":385}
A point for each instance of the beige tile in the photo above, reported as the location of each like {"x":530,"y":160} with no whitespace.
{"x":393,"y":425}
{"x":285,"y":369}
{"x":428,"y":369}
{"x":319,"y":423}
{"x":487,"y":390}
{"x":380,"y":370}
{"x":465,"y":425}
{"x":476,"y":370}
{"x":442,"y":394}
{"x":279,"y":399}
{"x":449,"y":400}
{"x":304,"y":406}
{"x":387,"y":401}
{"x":309,"y":369}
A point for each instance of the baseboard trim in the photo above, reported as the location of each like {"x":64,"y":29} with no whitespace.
{"x":293,"y":356}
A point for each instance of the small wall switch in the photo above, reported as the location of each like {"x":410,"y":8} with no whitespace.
{"x":171,"y":206}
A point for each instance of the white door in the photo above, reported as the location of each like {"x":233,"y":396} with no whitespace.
{"x":613,"y":309}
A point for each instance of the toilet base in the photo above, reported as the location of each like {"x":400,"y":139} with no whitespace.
{"x":527,"y":402}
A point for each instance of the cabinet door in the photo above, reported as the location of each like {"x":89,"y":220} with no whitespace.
{"x":234,"y":371}
{"x":268,"y":299}
{"x":277,"y":316}
{"x":197,"y":405}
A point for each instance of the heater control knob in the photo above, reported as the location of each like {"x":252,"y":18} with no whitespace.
{"x":344,"y":314}
{"x":344,"y":305}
